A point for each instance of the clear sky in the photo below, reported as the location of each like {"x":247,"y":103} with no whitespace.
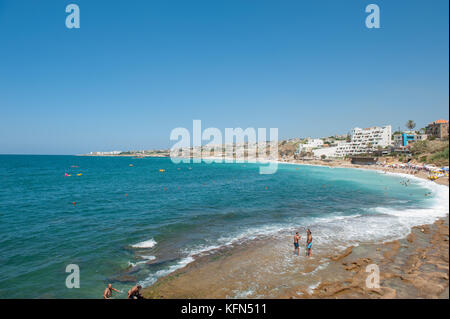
{"x":137,"y":69}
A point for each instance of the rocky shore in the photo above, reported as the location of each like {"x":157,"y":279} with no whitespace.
{"x":413,"y":267}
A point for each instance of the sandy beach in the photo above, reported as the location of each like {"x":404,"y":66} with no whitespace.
{"x":415,"y":266}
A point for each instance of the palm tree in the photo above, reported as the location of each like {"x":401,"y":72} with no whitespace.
{"x":410,"y":124}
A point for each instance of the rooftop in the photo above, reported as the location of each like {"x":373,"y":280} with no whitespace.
{"x":440,"y":122}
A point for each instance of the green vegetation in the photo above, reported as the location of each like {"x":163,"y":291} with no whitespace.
{"x":440,"y":158}
{"x":431,"y":152}
{"x":423,"y":159}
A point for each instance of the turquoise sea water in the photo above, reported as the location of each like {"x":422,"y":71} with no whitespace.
{"x":134,"y":223}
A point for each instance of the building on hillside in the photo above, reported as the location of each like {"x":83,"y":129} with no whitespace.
{"x":365,"y":140}
{"x":404,"y":138}
{"x":437,"y":129}
{"x":329,"y":152}
{"x":310,"y":144}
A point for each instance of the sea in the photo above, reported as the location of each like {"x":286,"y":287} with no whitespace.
{"x":127,"y":221}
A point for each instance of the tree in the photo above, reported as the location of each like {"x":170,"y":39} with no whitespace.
{"x":323,"y":156}
{"x":410,"y":124}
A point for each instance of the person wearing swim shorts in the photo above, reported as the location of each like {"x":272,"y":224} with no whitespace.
{"x":308,"y":243}
{"x":297,"y":237}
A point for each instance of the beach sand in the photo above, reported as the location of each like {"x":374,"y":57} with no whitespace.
{"x":413,"y":267}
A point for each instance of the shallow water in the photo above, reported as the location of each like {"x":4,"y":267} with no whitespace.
{"x":116,"y":219}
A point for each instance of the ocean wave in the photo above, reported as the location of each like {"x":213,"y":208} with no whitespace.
{"x":150,"y":280}
{"x":243,"y":236}
{"x":146,"y":260}
{"x":197,"y":251}
{"x":381,"y":224}
{"x":145,"y":244}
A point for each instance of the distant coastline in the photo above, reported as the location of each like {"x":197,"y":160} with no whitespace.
{"x":342,"y":163}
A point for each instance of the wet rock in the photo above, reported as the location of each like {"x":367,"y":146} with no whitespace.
{"x":347,"y":252}
{"x":123,"y":279}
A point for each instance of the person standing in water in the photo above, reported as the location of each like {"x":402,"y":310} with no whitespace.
{"x":308,"y":242}
{"x":108,"y":291}
{"x":297,"y":237}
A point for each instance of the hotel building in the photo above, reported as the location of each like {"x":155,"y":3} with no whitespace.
{"x":365,"y":141}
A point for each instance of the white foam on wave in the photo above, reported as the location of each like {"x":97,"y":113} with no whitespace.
{"x":312,"y":287}
{"x":243,"y":294}
{"x":146,"y":260}
{"x":200,"y":250}
{"x":149,"y":257}
{"x":145,"y":244}
{"x":150,"y":280}
{"x":246,"y":235}
{"x":382,"y":223}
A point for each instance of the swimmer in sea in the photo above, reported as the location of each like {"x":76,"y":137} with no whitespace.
{"x":108,"y":291}
{"x":135,"y":292}
{"x":308,"y":242}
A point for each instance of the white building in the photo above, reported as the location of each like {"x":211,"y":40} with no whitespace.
{"x":365,"y":140}
{"x":310,"y":144}
{"x":327,"y":151}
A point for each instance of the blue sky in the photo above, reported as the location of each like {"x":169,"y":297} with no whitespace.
{"x":137,"y":69}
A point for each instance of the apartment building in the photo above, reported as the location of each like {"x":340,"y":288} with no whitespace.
{"x":404,"y":138}
{"x":438,"y":129}
{"x":365,"y":140}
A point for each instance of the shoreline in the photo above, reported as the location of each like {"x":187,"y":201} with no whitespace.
{"x":350,"y":270}
{"x":415,"y":266}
